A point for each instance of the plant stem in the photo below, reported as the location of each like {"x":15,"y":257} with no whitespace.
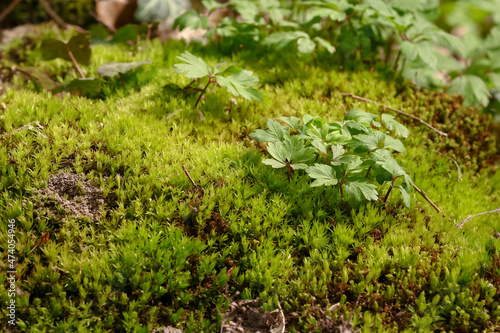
{"x":341,"y":189}
{"x":422,"y":193}
{"x":368,"y":172}
{"x":461,"y":224}
{"x":56,"y":17}
{"x":456,"y":164}
{"x":203,"y":91}
{"x":395,"y":110}
{"x":189,"y":176}
{"x":74,"y":62}
{"x":390,"y":189}
{"x":388,"y":50}
{"x":123,"y":80}
{"x":396,"y":63}
{"x":9,"y":9}
{"x":289,"y":171}
{"x":314,"y":59}
{"x":189,"y":84}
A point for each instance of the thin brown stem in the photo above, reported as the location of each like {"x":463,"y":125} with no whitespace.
{"x":4,"y":91}
{"x":202,"y":92}
{"x":396,"y":110}
{"x":289,"y":171}
{"x":422,"y":193}
{"x":396,"y":62}
{"x":189,"y":84}
{"x":9,"y":9}
{"x":123,"y":80}
{"x":314,"y":59}
{"x":189,"y":176}
{"x":43,"y":239}
{"x":342,"y":184}
{"x":75,"y":63}
{"x":57,"y":18}
{"x":390,"y":189}
{"x":456,"y":164}
{"x":368,"y":172}
{"x":461,"y":224}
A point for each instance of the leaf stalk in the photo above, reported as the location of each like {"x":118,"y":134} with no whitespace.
{"x":203,"y":91}
{"x":75,"y":63}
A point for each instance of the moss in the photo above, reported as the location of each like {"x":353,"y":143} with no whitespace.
{"x":163,"y":253}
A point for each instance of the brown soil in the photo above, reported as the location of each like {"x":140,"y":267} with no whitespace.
{"x":70,"y":193}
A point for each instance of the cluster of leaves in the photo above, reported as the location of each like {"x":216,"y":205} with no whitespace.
{"x":130,"y":34}
{"x":479,"y":22}
{"x":262,"y":22}
{"x":239,"y":82}
{"x":350,"y":155}
{"x":412,"y":42}
{"x":78,"y":51}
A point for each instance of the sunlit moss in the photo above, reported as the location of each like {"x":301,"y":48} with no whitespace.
{"x":162,"y":251}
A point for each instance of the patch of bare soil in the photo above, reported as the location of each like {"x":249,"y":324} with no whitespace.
{"x":71,"y":194}
{"x":246,"y":316}
{"x":7,"y":36}
{"x":168,"y":329}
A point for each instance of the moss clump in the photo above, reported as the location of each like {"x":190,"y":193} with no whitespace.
{"x":469,"y":139}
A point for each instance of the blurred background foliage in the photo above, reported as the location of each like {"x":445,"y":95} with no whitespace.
{"x":446,"y":45}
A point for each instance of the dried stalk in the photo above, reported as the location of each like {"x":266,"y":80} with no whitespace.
{"x":189,"y":176}
{"x":27,"y":126}
{"x":458,"y":167}
{"x":9,"y":9}
{"x":461,"y":224}
{"x":422,"y":193}
{"x":396,"y":110}
{"x":75,"y":63}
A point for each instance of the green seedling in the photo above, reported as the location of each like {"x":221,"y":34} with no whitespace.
{"x":412,"y":40}
{"x":35,"y":74}
{"x":350,"y":155}
{"x":113,"y":69}
{"x":191,"y":19}
{"x":130,"y":33}
{"x":89,"y":87}
{"x":77,"y":50}
{"x":238,"y":83}
{"x":305,"y":44}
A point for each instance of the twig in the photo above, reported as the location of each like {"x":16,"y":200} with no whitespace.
{"x":282,"y":322}
{"x":9,"y":9}
{"x":461,"y":224}
{"x":396,"y":110}
{"x":27,"y":126}
{"x":173,"y":113}
{"x":458,"y":167}
{"x":422,"y":193}
{"x":57,"y":18}
{"x":189,"y":176}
